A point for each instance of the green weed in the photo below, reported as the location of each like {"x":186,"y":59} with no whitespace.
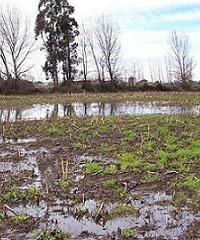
{"x":128,"y":135}
{"x":12,"y":195}
{"x":54,"y":130}
{"x":150,"y":167}
{"x":19,"y":218}
{"x":63,"y":183}
{"x":106,"y":148}
{"x":2,"y":217}
{"x":191,"y":183}
{"x":162,"y":158}
{"x":129,"y":233}
{"x":188,"y":154}
{"x":120,"y":192}
{"x":122,"y":210}
{"x":77,"y":146}
{"x":129,"y":161}
{"x":16,"y":194}
{"x":94,"y":168}
{"x":52,"y":235}
{"x":111,"y":169}
{"x":111,"y":183}
{"x":32,"y":193}
{"x":163,"y":130}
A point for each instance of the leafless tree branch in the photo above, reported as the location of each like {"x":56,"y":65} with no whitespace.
{"x":181,"y":61}
{"x":18,"y":43}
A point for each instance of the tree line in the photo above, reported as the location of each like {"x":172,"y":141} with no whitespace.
{"x":70,"y":48}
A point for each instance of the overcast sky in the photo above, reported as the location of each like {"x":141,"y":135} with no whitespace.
{"x":144,"y":24}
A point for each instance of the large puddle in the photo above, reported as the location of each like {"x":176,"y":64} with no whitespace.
{"x":16,"y":160}
{"x":155,"y":216}
{"x":153,"y":219}
{"x":38,"y":111}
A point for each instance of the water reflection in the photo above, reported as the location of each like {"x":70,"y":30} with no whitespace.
{"x":156,"y":217}
{"x":21,"y":161}
{"x":156,"y":220}
{"x":38,"y":112}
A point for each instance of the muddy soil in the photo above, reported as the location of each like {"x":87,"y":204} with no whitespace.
{"x":50,"y":186}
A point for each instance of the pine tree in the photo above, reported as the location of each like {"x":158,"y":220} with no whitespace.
{"x":58,"y":30}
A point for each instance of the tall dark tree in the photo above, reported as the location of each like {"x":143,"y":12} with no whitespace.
{"x":58,"y":30}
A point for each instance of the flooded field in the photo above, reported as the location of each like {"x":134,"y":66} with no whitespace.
{"x":45,"y":111}
{"x":100,"y":171}
{"x":151,"y":213}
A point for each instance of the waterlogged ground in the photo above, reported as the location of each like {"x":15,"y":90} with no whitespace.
{"x":47,"y":111}
{"x":100,"y":177}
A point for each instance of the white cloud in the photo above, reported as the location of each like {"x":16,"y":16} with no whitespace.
{"x":146,"y":44}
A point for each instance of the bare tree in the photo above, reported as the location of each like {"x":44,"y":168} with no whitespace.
{"x":152,"y":72}
{"x":107,"y":35}
{"x":84,"y":57}
{"x":182,"y":62}
{"x":160,"y":72}
{"x":156,"y":71}
{"x":89,"y":33}
{"x":16,"y":42}
{"x":84,"y":52}
{"x":139,"y":71}
{"x":168,"y":69}
{"x":3,"y":58}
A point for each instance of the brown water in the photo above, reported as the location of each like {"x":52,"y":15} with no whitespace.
{"x":39,"y":111}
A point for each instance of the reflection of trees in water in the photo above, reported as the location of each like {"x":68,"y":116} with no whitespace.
{"x":54,"y":112}
{"x":86,"y":109}
{"x":5,"y":115}
{"x":11,"y":115}
{"x":18,"y":114}
{"x":113,"y":109}
{"x":101,"y":109}
{"x":68,"y":110}
{"x":1,"y":115}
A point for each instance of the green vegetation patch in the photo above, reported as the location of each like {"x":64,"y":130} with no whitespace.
{"x":94,"y":168}
{"x":19,"y":219}
{"x":122,"y":210}
{"x":191,"y":183}
{"x":111,"y":183}
{"x":129,"y":161}
{"x":147,"y":149}
{"x":52,"y":235}
{"x":129,"y":233}
{"x":15,"y":194}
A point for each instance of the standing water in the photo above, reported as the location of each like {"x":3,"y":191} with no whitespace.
{"x":45,"y":111}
